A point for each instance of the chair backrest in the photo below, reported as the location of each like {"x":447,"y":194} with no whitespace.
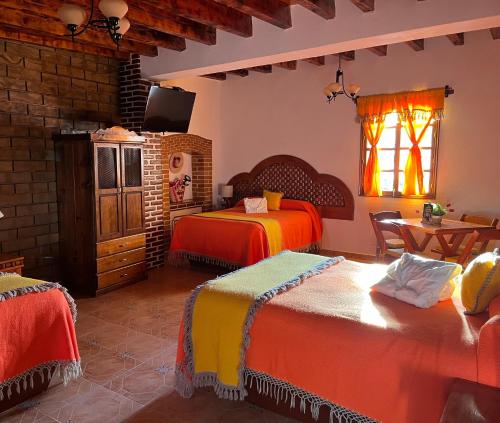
{"x":483,"y":237}
{"x":379,"y":227}
{"x":480,"y":220}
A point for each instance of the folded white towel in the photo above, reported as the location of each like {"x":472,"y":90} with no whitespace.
{"x":419,"y":281}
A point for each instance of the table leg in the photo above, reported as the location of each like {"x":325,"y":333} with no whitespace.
{"x":425,"y":242}
{"x":447,"y":251}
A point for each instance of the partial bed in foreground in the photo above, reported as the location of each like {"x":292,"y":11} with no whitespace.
{"x":37,"y":337}
{"x":329,"y":344}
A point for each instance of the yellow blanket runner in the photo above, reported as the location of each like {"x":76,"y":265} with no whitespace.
{"x":220,"y":313}
{"x":271,"y":227}
{"x":12,"y":281}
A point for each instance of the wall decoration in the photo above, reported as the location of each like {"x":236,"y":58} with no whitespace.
{"x":180,"y":177}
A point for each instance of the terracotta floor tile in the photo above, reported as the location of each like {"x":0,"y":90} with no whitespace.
{"x":128,"y":342}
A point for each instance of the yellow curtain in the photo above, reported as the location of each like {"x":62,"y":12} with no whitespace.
{"x":414,"y":175}
{"x":371,"y":182}
{"x":416,"y":110}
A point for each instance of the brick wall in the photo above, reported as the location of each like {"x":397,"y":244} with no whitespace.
{"x":44,"y":91}
{"x":134,"y":92}
{"x":201,"y":151}
{"x":153,"y":200}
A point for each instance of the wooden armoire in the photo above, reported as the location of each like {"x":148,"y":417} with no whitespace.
{"x":100,"y":197}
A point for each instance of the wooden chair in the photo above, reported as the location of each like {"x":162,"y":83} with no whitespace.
{"x":477,"y":249}
{"x":483,"y":237}
{"x":392,"y":247}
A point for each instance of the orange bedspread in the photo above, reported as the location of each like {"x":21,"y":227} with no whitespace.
{"x":240,"y":243}
{"x":36,"y":332}
{"x":367,"y":352}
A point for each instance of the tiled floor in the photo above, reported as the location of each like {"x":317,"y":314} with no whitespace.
{"x":128,"y":340}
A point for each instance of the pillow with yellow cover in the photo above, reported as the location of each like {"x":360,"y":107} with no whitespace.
{"x":273,"y":199}
{"x":481,"y":282}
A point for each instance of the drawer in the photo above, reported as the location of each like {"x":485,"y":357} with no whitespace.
{"x":119,"y":245}
{"x":124,"y":274}
{"x":115,"y":261}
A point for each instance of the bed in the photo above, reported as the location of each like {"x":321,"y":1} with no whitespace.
{"x":233,"y":239}
{"x":37,"y":337}
{"x":334,"y":349}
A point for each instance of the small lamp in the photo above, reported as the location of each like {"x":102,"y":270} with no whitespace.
{"x":227,"y":194}
{"x":1,"y":214}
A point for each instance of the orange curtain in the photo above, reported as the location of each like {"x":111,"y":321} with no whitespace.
{"x":414,"y":175}
{"x":371,"y":182}
{"x":416,"y":110}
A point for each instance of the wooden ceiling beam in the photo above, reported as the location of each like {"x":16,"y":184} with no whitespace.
{"x":219,"y":76}
{"x":34,"y":24}
{"x":156,"y":38}
{"x":272,"y":11}
{"x":318,"y":61}
{"x":143,"y":15}
{"x":365,"y":5}
{"x":417,"y":45}
{"x":239,"y":72}
{"x":495,"y":33}
{"x":323,"y":8}
{"x":348,"y":56}
{"x":290,"y":65}
{"x":205,"y":12}
{"x":457,"y":39}
{"x":379,"y":50}
{"x":61,"y":43}
{"x":262,"y":69}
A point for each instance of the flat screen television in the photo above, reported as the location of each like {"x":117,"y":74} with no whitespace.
{"x":168,"y":110}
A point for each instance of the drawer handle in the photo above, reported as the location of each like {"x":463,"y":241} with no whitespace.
{"x":121,"y":245}
{"x":123,"y":275}
{"x":123,"y":259}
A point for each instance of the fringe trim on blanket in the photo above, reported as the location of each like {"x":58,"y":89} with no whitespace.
{"x":67,"y":370}
{"x":187,"y":380}
{"x":182,"y":258}
{"x":42,"y":287}
{"x":283,"y":391}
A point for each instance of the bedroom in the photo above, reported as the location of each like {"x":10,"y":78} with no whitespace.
{"x":127,"y":338}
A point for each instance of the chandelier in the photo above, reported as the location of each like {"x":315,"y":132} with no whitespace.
{"x":114,"y":20}
{"x":337,"y":88}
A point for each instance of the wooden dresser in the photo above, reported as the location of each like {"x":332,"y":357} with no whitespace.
{"x":100,"y":196}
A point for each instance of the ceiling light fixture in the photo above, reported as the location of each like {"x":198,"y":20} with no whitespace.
{"x":114,"y":20}
{"x":337,"y":88}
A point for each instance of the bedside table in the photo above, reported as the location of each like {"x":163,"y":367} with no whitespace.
{"x":11,"y":263}
{"x":471,"y":402}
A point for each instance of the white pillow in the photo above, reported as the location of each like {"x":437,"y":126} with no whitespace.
{"x":419,"y":281}
{"x":255,"y":205}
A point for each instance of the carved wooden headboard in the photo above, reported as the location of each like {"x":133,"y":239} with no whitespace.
{"x":298,"y":180}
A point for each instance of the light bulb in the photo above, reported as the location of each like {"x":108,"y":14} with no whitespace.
{"x":72,"y":14}
{"x":335,"y":87}
{"x":327,"y":92}
{"x":113,"y":8}
{"x":124,"y":25}
{"x":354,"y":88}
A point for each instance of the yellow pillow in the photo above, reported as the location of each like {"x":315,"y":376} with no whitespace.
{"x":273,"y":199}
{"x":481,"y":282}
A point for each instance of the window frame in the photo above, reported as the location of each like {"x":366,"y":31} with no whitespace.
{"x":436,"y":127}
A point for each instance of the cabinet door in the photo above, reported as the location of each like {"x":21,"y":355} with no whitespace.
{"x":132,"y":188}
{"x":107,"y":191}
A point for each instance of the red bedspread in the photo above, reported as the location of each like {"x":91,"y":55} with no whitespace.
{"x":36,"y":332}
{"x":370,"y":353}
{"x":241,"y":243}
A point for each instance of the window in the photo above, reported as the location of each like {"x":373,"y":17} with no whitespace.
{"x":393,"y":149}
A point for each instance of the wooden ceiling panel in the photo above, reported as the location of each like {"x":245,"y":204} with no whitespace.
{"x":262,"y":69}
{"x":365,"y":5}
{"x":206,"y":12}
{"x":291,"y":65}
{"x":495,"y":33}
{"x":379,"y":50}
{"x":239,"y":72}
{"x":271,"y":11}
{"x":219,"y":76}
{"x":318,"y":61}
{"x":323,"y":8}
{"x":457,"y":39}
{"x":417,"y":45}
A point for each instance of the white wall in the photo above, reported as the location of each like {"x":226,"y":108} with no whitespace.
{"x":285,"y":113}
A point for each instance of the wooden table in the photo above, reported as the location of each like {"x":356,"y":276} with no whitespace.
{"x":456,"y":228}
